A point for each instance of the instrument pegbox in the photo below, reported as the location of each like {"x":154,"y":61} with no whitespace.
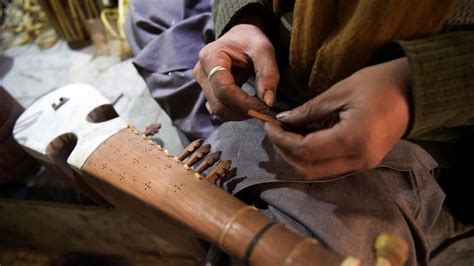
{"x":209,"y":161}
{"x":190,"y":149}
{"x":220,"y":170}
{"x":63,"y":127}
{"x":196,"y":152}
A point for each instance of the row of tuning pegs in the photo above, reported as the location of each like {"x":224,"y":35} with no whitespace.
{"x":196,"y":152}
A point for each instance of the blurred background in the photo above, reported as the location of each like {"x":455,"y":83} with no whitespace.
{"x":44,"y":220}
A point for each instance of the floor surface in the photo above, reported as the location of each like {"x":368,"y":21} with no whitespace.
{"x":28,"y":72}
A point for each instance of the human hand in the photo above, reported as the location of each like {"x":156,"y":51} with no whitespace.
{"x":373,"y":113}
{"x":243,"y":50}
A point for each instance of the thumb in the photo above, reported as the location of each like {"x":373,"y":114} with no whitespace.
{"x":313,"y":113}
{"x":266,"y":73}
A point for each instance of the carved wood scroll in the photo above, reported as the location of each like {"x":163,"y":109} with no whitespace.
{"x":160,"y":190}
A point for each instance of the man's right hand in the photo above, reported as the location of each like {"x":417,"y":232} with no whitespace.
{"x":243,"y":50}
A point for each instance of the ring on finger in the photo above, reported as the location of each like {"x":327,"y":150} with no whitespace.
{"x":214,"y":70}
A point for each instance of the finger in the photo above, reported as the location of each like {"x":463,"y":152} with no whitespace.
{"x":208,"y":61}
{"x":287,"y":141}
{"x":223,"y":83}
{"x":323,"y":169}
{"x":233,"y":96}
{"x":201,"y":77}
{"x":224,"y":114}
{"x":334,"y":142}
{"x":317,"y":110}
{"x":216,"y":107}
{"x":266,"y":71}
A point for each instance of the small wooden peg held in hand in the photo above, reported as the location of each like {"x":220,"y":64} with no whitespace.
{"x":264,"y":118}
{"x":300,"y":130}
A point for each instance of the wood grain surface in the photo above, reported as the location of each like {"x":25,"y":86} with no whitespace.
{"x":143,"y":180}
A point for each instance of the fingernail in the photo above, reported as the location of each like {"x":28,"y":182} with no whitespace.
{"x":282,"y":116}
{"x":268,"y":97}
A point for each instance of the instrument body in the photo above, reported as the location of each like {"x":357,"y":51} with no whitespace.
{"x":88,"y":142}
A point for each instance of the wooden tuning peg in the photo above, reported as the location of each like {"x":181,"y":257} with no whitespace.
{"x":190,"y":149}
{"x":198,"y":155}
{"x":220,"y":170}
{"x":208,"y":161}
{"x":152,"y":129}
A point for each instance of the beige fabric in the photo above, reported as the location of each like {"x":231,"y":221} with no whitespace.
{"x":330,"y":40}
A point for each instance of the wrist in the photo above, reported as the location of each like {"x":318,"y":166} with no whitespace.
{"x":250,"y":16}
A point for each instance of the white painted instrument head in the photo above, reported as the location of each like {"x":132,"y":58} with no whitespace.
{"x":75,"y":115}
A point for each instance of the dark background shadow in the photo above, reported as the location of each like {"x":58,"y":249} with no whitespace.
{"x":6,"y":63}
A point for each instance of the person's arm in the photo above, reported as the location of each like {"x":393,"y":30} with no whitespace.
{"x":226,"y":13}
{"x":442,"y":86}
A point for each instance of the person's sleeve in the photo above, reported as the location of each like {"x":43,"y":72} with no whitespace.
{"x":225,"y":12}
{"x":442,"y":94}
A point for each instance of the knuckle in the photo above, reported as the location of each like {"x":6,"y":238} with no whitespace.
{"x":209,"y":52}
{"x":203,"y":54}
{"x":357,"y":143}
{"x":220,"y":91}
{"x":305,"y":109}
{"x":303,"y":152}
{"x":348,"y":141}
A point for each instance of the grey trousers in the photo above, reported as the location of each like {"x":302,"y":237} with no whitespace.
{"x":347,"y":213}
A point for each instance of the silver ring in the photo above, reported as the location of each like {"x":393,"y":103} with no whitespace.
{"x":208,"y":107}
{"x":215,"y":70}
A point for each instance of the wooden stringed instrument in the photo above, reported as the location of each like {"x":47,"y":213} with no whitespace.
{"x":76,"y":131}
